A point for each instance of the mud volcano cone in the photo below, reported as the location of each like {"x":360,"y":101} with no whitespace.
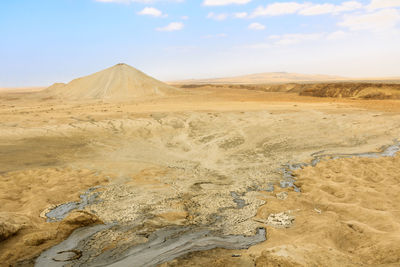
{"x":118,"y":82}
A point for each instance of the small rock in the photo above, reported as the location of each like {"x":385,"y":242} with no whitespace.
{"x":283,"y":219}
{"x":282,"y":195}
{"x":318,"y":210}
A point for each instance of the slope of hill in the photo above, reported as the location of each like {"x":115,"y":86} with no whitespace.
{"x":268,"y":77}
{"x":118,"y":82}
{"x":351,"y":89}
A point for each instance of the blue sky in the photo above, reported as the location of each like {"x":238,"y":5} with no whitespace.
{"x":47,"y":41}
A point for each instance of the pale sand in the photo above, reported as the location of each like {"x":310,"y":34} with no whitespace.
{"x":178,"y":158}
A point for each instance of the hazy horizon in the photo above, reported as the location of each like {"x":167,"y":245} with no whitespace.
{"x":46,"y":41}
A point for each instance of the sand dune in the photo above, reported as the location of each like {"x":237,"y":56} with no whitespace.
{"x":116,"y":83}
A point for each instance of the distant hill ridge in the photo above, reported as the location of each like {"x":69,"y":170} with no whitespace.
{"x":267,"y":77}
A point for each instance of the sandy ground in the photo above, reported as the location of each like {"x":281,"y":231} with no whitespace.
{"x":175,"y":161}
{"x":347,"y":215}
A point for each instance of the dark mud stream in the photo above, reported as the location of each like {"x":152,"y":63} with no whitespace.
{"x":163,"y":245}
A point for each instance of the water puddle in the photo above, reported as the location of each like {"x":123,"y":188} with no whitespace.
{"x":61,"y":211}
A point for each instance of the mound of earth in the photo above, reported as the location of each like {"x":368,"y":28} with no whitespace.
{"x":118,"y":82}
{"x":356,"y":90}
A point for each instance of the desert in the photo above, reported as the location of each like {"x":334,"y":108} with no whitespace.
{"x":177,"y":133}
{"x":140,"y":172}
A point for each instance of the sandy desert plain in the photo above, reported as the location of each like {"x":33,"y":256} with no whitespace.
{"x":119,"y":169}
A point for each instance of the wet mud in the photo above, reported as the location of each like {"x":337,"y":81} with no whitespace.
{"x":163,"y":245}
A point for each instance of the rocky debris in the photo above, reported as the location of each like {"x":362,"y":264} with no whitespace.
{"x":282,"y":195}
{"x":282,"y":219}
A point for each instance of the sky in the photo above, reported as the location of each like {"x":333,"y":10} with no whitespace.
{"x":48,"y":41}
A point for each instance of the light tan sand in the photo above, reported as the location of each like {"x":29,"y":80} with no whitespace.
{"x":175,"y":160}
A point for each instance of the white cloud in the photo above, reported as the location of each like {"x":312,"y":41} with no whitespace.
{"x":297,"y":38}
{"x":185,"y":17}
{"x":276,"y":9}
{"x":214,"y":16}
{"x":224,"y":2}
{"x":376,"y":4}
{"x":256,"y":26}
{"x":381,"y":20}
{"x":306,"y":8}
{"x":173,"y":26}
{"x":319,"y":9}
{"x":151,"y":11}
{"x":240,"y":15}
